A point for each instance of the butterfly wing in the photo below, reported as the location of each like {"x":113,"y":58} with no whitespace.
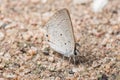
{"x":60,"y":33}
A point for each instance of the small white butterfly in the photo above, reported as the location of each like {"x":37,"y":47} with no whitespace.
{"x":60,"y":35}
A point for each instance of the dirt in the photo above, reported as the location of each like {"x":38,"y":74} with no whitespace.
{"x":22,"y":41}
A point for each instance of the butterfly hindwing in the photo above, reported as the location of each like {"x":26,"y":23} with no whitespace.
{"x":60,"y":33}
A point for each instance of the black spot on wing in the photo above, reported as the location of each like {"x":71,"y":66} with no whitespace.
{"x":68,"y":41}
{"x":46,"y":35}
{"x":60,"y":34}
{"x":65,"y":43}
{"x":48,"y":40}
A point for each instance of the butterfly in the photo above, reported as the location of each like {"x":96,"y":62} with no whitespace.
{"x":60,"y":34}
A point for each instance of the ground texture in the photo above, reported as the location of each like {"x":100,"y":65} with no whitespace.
{"x":22,"y":41}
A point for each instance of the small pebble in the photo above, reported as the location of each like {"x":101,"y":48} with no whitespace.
{"x":43,"y":1}
{"x":57,"y":78}
{"x":46,"y":51}
{"x":1,"y":53}
{"x":71,"y":72}
{"x":7,"y":56}
{"x":2,"y":65}
{"x":46,"y":15}
{"x":103,"y":77}
{"x":75,"y":69}
{"x":26,"y":37}
{"x":1,"y":36}
{"x":51,"y":59}
{"x":9,"y":75}
{"x":12,"y":25}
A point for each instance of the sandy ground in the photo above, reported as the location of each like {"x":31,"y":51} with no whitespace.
{"x":22,"y":41}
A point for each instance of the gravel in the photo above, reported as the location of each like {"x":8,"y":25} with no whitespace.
{"x":22,"y":41}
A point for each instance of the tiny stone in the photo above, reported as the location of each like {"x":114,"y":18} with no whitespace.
{"x":46,"y":51}
{"x":9,"y":75}
{"x":75,"y":69}
{"x":2,"y":65}
{"x":57,"y":78}
{"x":2,"y":25}
{"x":7,"y":56}
{"x":43,"y":1}
{"x":26,"y":37}
{"x":46,"y":15}
{"x":12,"y":25}
{"x":71,"y":72}
{"x":103,"y":77}
{"x":1,"y":53}
{"x":1,"y":36}
{"x":114,"y":11}
{"x":51,"y":59}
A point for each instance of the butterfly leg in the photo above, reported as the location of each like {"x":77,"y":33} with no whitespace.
{"x":70,"y":59}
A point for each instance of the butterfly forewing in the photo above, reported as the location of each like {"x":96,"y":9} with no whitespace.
{"x":60,"y":33}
